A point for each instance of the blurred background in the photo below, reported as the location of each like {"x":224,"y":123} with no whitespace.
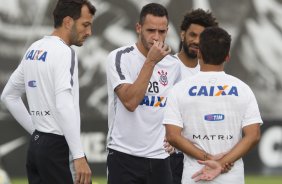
{"x":256,"y":58}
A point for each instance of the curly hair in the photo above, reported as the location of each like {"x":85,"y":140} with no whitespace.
{"x":200,"y":17}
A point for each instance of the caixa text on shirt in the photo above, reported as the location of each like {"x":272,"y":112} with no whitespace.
{"x":154,"y":101}
{"x":39,"y":113}
{"x":213,"y":90}
{"x":36,"y":55}
{"x":213,"y":137}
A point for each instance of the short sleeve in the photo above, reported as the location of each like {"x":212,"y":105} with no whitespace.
{"x":252,"y":114}
{"x":117,"y":70}
{"x":172,"y":113}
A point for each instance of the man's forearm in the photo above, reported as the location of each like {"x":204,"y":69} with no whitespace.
{"x":67,"y":119}
{"x":250,"y":139}
{"x":11,"y":97}
{"x":132,"y":94}
{"x":175,"y":138}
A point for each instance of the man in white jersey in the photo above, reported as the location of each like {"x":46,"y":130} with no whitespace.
{"x":207,"y":113}
{"x":192,"y":25}
{"x":139,"y":77}
{"x":48,"y":74}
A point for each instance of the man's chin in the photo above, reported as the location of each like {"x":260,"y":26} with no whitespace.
{"x":192,"y":55}
{"x":78,"y":44}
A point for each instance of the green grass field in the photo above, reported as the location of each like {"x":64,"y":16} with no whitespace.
{"x":96,"y":180}
{"x":249,"y":180}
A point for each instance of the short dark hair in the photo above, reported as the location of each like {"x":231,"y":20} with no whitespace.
{"x":200,"y":17}
{"x":153,"y":9}
{"x":214,"y":45}
{"x":71,"y":8}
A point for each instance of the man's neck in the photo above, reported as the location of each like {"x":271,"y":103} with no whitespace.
{"x":188,"y":62}
{"x":59,"y":33}
{"x":142,"y":49}
{"x":212,"y":68}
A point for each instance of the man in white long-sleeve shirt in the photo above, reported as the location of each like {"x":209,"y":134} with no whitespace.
{"x":48,"y":74}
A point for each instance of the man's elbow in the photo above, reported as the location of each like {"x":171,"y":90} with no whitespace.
{"x":254,"y":139}
{"x":171,"y":137}
{"x":130,"y":106}
{"x":3,"y":98}
{"x":257,"y":138}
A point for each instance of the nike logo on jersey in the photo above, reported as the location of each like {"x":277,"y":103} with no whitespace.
{"x":154,"y":101}
{"x":36,"y":55}
{"x":213,"y":91}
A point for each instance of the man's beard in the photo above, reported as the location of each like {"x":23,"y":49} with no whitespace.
{"x":145,"y":43}
{"x":190,"y":54}
{"x":74,"y":37}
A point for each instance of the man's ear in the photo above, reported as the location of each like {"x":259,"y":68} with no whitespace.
{"x":227,"y":58}
{"x":138,"y":28}
{"x":182,"y":35}
{"x":68,"y":22}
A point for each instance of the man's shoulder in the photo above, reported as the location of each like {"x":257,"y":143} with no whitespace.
{"x":171,"y":58}
{"x":181,"y":84}
{"x":237,"y":80}
{"x":51,"y":44}
{"x":123,"y":50}
{"x":170,"y":61}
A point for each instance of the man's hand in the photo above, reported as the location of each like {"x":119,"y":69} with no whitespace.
{"x":82,"y":171}
{"x":227,"y":166}
{"x":217,"y":156}
{"x":158,"y":51}
{"x":168,"y":148}
{"x":210,"y":171}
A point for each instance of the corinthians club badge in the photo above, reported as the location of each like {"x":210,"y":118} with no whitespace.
{"x":163,"y":77}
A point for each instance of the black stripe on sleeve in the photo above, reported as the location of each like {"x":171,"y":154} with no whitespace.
{"x":118,"y":58}
{"x":72,"y":65}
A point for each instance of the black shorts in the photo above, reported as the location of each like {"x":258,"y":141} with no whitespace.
{"x":48,"y":159}
{"x":176,"y":163}
{"x":128,"y":169}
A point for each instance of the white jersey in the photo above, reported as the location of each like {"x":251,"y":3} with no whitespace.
{"x":139,"y":133}
{"x":48,"y":67}
{"x":212,"y":108}
{"x":187,"y":71}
